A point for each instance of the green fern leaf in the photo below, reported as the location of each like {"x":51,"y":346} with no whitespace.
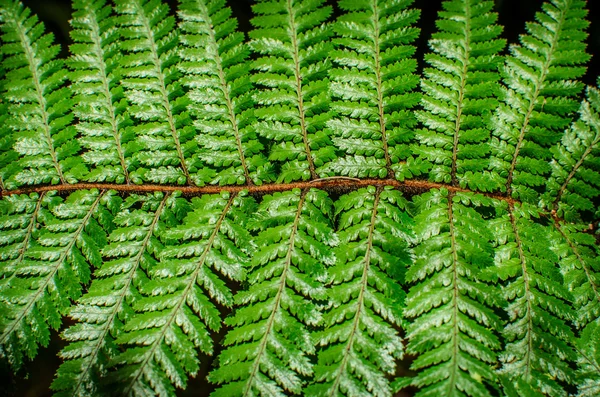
{"x":466,"y":209}
{"x":538,"y":101}
{"x":460,"y":89}
{"x":214,"y":60}
{"x":49,"y":271}
{"x":108,"y":303}
{"x":292,"y":42}
{"x":579,"y":263}
{"x":451,"y":304}
{"x":575,"y":180}
{"x":538,"y":349}
{"x":174,"y":310}
{"x":360,"y":342}
{"x":38,"y":102}
{"x":152,"y":87}
{"x":20,"y":224}
{"x":578,"y":259}
{"x":8,"y":157}
{"x":372,"y":87}
{"x":588,"y":351}
{"x":100,"y":105}
{"x":269,"y":346}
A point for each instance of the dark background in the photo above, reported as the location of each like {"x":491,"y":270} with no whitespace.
{"x":35,"y":379}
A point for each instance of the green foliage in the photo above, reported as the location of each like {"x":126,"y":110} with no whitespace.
{"x":575,"y":180}
{"x":152,"y":86}
{"x":373,"y":89}
{"x":197,"y":203}
{"x":460,"y":94}
{"x":46,"y":265}
{"x":46,"y":144}
{"x":452,"y":304}
{"x":218,"y":78}
{"x":268,"y":346}
{"x":538,"y":347}
{"x":292,"y":45}
{"x":173,"y":310}
{"x":100,"y":106}
{"x":589,"y":361}
{"x":359,"y":341}
{"x":540,"y":95}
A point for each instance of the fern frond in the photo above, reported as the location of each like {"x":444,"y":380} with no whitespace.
{"x":577,"y":252}
{"x":360,"y":343}
{"x":269,"y":344}
{"x":20,"y":224}
{"x":538,"y":352}
{"x":152,"y":86}
{"x":588,"y":352}
{"x":452,"y":305}
{"x":108,"y":302}
{"x":373,"y":89}
{"x":575,"y":180}
{"x":38,"y":102}
{"x":8,"y":157}
{"x":214,"y":60}
{"x":293,"y":43}
{"x":460,"y":89}
{"x":49,"y":271}
{"x":579,"y":263}
{"x":100,"y":105}
{"x":177,"y":308}
{"x":536,"y":107}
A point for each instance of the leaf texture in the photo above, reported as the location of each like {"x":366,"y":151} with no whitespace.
{"x":51,"y":264}
{"x":218,"y":78}
{"x":359,"y":341}
{"x":460,"y":89}
{"x":540,"y":77}
{"x":304,"y":211}
{"x":575,"y":180}
{"x":538,"y":352}
{"x":153,"y":89}
{"x":38,"y":102}
{"x":175,"y":308}
{"x":292,"y":43}
{"x":373,"y":89}
{"x":451,"y":302}
{"x":103,"y":122}
{"x":268,"y":347}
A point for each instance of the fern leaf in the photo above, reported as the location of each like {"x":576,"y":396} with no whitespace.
{"x":538,"y":353}
{"x":579,"y":263}
{"x":175,"y":312}
{"x":49,"y":271}
{"x":108,"y":303}
{"x":21,"y":217}
{"x":539,"y":99}
{"x":269,"y":345}
{"x":38,"y":103}
{"x":293,"y":44}
{"x":588,"y":352}
{"x":218,"y":77}
{"x":360,"y":342}
{"x":100,"y":105}
{"x":152,"y":87}
{"x":460,"y":89}
{"x":452,"y":306}
{"x":578,"y":259}
{"x":8,"y":157}
{"x":575,"y":181}
{"x":373,"y":89}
